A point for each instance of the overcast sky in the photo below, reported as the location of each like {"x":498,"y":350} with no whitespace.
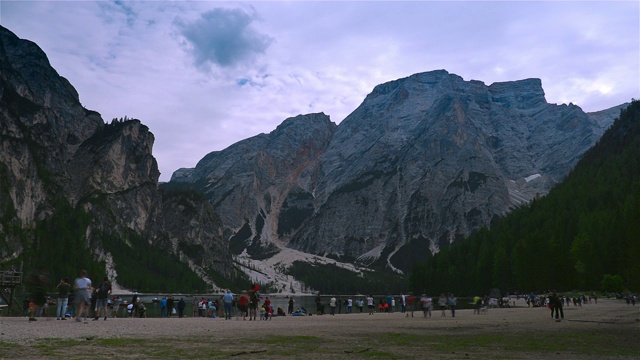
{"x":204,"y":75}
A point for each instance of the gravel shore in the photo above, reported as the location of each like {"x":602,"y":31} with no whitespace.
{"x":614,"y":318}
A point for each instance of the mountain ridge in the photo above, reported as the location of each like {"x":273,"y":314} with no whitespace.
{"x":428,"y":128}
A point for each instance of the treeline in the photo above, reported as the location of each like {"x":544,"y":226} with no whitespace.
{"x":331,"y":279}
{"x":585,"y":234}
{"x":150,"y":268}
{"x":59,"y":247}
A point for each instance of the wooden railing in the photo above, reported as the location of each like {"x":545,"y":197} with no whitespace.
{"x":10,"y":278}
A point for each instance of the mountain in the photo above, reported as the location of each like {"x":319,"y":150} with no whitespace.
{"x":423,"y":161}
{"x":583,"y":234}
{"x":77,"y":192}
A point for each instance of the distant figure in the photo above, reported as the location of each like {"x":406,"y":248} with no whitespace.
{"x":163,"y":307}
{"x":181,"y":306}
{"x":477,"y":304}
{"x":254,"y":301}
{"x":411,"y":300}
{"x":134,"y":301}
{"x":243,"y":305}
{"x":227,"y":300}
{"x":442,"y":304}
{"x":371,"y":305}
{"x":117,"y":300}
{"x":37,"y":284}
{"x":170,"y":306}
{"x":63,"y":298}
{"x":82,"y":299}
{"x":290,"y":308}
{"x":555,"y":302}
{"x":332,"y":305}
{"x":195,"y":307}
{"x":453,"y":304}
{"x":142,"y":310}
{"x":102,"y":296}
{"x":319,"y":308}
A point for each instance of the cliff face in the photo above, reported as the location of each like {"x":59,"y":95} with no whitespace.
{"x":54,"y":150}
{"x":424,"y":160}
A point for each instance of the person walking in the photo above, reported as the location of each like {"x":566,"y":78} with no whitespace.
{"x":63,"y":298}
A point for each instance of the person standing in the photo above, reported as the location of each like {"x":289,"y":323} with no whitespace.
{"x":63,"y":298}
{"x":290,"y":308}
{"x":227,"y":302}
{"x":411,"y":303}
{"x":181,"y":306}
{"x":332,"y":305}
{"x":134,"y":301}
{"x":254,"y":301}
{"x":83,"y":288}
{"x":442,"y":304}
{"x":453,"y":300}
{"x":243,"y":304}
{"x":556,"y":302}
{"x":319,"y":307}
{"x":117,"y":300}
{"x":349,"y":305}
{"x":403,"y":303}
{"x":370,"y":304}
{"x":170,"y":306}
{"x":163,"y":307}
{"x":102,"y":295}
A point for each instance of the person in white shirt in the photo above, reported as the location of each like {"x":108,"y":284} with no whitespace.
{"x":83,"y":288}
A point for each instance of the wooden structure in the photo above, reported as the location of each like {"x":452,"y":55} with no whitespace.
{"x":9,"y":280}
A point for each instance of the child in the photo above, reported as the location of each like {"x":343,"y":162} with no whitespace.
{"x":263,"y":313}
{"x":269,"y":310}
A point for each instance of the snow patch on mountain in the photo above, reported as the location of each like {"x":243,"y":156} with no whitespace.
{"x":272,"y":271}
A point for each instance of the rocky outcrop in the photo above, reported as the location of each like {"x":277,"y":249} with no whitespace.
{"x":422,"y":161}
{"x":55,"y":152}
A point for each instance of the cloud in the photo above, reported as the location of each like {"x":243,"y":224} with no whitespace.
{"x":223,"y":37}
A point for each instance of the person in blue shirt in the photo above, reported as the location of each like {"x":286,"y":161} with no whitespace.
{"x":163,"y":307}
{"x":227,"y":299}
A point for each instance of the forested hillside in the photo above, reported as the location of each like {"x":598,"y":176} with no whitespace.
{"x":585,"y":234}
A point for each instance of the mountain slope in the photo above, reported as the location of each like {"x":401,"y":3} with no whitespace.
{"x":78,"y":193}
{"x":421,"y":162}
{"x":585,"y":230}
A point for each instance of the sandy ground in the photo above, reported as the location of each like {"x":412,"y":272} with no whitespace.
{"x":610,"y":316}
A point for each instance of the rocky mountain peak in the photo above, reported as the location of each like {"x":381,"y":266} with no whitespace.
{"x":422,"y":161}
{"x":58,"y":156}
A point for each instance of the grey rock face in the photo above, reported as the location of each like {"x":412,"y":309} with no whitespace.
{"x":424,"y":160}
{"x":53,"y":150}
{"x":249,"y":183}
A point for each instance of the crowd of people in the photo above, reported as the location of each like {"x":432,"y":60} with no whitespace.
{"x":81,"y":300}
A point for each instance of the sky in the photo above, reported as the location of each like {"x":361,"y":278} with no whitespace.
{"x":203,"y":75}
